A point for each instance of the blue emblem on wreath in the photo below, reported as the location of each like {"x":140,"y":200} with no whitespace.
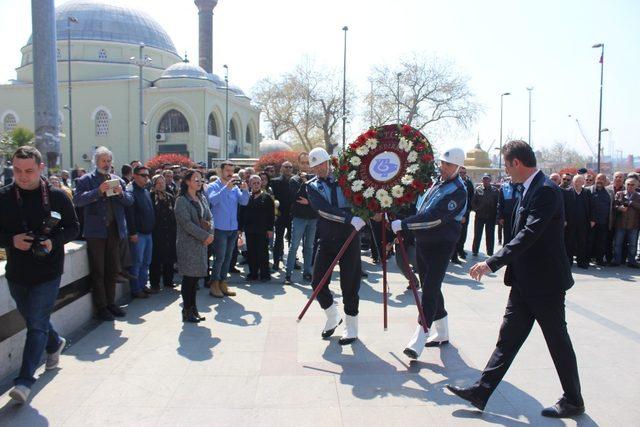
{"x":384,"y":167}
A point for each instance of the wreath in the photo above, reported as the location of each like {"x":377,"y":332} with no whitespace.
{"x":385,"y":169}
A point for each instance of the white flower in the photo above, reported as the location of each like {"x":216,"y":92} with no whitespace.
{"x":381,"y":194}
{"x":404,"y":144}
{"x":412,"y":157}
{"x":362,"y":150}
{"x":357,"y":185}
{"x":407,"y":179}
{"x":386,"y":202}
{"x":372,"y":143}
{"x":352,"y":175}
{"x":368,"y":193}
{"x":355,"y":161}
{"x":397,"y":191}
{"x":413,"y":168}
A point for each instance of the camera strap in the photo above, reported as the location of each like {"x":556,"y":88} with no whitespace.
{"x":44,"y":194}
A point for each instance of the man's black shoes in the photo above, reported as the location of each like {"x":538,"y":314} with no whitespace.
{"x":115,"y":310}
{"x":470,"y":394}
{"x":104,"y":314}
{"x":562,"y":409}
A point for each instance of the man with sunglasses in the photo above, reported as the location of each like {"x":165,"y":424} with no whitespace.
{"x":140,"y":222}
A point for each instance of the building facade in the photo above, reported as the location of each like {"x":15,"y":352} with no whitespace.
{"x":184,"y":106}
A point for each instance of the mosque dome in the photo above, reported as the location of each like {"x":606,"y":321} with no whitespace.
{"x":273,"y":145}
{"x":477,"y":157}
{"x":104,"y":22}
{"x":185,"y":70}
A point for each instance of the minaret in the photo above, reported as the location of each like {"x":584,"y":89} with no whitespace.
{"x":205,"y":31}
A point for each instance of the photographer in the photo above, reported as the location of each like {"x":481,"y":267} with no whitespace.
{"x":36,"y":220}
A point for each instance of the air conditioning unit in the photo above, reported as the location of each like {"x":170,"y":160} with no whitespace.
{"x":160,"y":136}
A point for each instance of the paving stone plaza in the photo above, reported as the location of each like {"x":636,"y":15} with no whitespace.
{"x":251,"y":364}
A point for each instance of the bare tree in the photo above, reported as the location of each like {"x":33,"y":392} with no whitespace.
{"x":428,"y":90}
{"x":304,"y":105}
{"x":559,"y":153}
{"x":275,"y":106}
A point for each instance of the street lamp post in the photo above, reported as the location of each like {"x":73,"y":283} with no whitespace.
{"x":344,"y":89}
{"x":601,"y":46}
{"x":70,"y":19}
{"x":226,"y":111}
{"x":398,"y":81}
{"x":500,"y":148}
{"x":141,"y":61}
{"x":530,"y":89}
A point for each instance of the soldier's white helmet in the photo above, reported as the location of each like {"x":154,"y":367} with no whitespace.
{"x":318,"y":156}
{"x":454,"y":156}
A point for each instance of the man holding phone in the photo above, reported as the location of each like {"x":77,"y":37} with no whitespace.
{"x":224,"y":196}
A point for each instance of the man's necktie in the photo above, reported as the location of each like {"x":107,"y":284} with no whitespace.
{"x":516,"y":211}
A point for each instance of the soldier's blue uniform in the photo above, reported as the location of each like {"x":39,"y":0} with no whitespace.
{"x":334,"y":227}
{"x":436,"y":226}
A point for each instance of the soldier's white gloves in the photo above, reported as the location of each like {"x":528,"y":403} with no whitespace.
{"x":357,"y":222}
{"x":396,"y":225}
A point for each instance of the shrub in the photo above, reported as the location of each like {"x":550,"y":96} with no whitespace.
{"x":156,"y":162}
{"x":277,"y":158}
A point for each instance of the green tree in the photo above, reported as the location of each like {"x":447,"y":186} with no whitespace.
{"x":20,"y":136}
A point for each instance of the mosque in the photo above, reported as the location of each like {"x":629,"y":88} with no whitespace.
{"x":184,"y":104}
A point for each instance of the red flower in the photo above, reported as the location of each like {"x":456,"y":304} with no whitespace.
{"x":420,"y":146}
{"x":427,"y":157}
{"x":373,"y":206}
{"x":357,"y":199}
{"x":371,"y":133}
{"x":408,"y":198}
{"x":342,"y":181}
{"x":361,"y":139}
{"x":419,"y":186}
{"x":406,"y":130}
{"x":344,"y":167}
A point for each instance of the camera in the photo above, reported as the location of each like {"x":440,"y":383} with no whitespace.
{"x":48,"y":225}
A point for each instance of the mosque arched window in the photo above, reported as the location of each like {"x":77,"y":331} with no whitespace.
{"x":212,"y":126}
{"x":9,"y":122}
{"x":233,"y":132}
{"x":102,"y":55}
{"x":58,"y":54}
{"x":248,"y":136}
{"x":102,"y":123}
{"x":173,"y":121}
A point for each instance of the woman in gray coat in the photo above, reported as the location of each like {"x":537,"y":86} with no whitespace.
{"x":194,"y":234}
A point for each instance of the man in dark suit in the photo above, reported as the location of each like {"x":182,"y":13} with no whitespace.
{"x":537,"y":294}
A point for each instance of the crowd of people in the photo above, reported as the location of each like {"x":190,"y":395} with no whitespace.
{"x":143,"y":226}
{"x":602,"y":217}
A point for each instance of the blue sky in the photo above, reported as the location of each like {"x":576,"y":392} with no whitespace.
{"x":501,"y":45}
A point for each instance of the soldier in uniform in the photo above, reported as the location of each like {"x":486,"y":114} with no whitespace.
{"x":436,"y":227}
{"x":335,"y":224}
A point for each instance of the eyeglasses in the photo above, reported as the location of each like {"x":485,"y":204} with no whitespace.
{"x":565,"y":180}
{"x":144,"y":175}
